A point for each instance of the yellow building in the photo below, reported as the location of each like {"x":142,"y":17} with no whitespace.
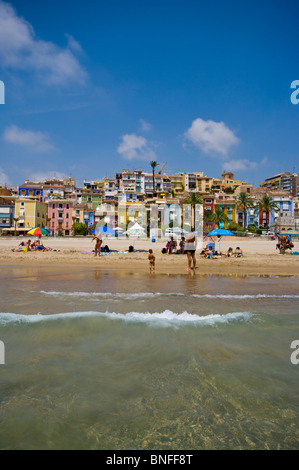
{"x":228,"y":205}
{"x":177,"y":184}
{"x":29,"y":213}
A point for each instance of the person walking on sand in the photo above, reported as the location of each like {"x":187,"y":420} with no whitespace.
{"x":152,"y":260}
{"x":98,"y":239}
{"x":190,"y":249}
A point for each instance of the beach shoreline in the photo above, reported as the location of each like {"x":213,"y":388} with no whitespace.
{"x":260,"y":257}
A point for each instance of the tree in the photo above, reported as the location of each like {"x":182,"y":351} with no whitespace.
{"x":267,"y":204}
{"x":79,"y":228}
{"x":153,"y":165}
{"x":219,"y":216}
{"x":16,"y":219}
{"x":208,"y":216}
{"x":244,"y":202}
{"x":193,"y":199}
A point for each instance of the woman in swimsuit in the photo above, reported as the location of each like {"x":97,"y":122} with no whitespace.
{"x":98,"y":239}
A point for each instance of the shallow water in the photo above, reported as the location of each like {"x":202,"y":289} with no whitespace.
{"x":101,"y":360}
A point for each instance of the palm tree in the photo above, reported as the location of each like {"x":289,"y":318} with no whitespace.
{"x":244,"y":202}
{"x":16,"y":219}
{"x":193,"y":199}
{"x":219,"y":216}
{"x":267,"y":204}
{"x":153,"y":165}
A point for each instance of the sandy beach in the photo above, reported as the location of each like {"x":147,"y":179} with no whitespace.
{"x":260,"y":256}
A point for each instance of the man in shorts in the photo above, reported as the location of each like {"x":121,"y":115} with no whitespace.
{"x":190,"y":249}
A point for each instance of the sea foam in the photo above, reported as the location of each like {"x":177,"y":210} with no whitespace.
{"x":167,"y":318}
{"x":150,"y":295}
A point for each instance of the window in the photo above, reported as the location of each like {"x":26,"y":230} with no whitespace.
{"x":53,"y":206}
{"x":67,"y":215}
{"x":53,"y":216}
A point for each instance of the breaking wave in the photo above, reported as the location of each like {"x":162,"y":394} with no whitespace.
{"x":163,"y":319}
{"x":149,"y":295}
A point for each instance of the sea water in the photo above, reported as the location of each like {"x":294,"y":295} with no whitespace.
{"x":96,"y":359}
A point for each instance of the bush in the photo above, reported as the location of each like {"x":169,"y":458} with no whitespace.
{"x":251,"y":228}
{"x":240,"y":228}
{"x":259,"y":232}
{"x":79,"y":228}
{"x":233,"y":226}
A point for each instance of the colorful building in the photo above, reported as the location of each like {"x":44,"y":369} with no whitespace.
{"x":60,"y":214}
{"x":29,"y":213}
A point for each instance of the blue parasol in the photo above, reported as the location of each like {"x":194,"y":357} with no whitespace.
{"x":220,"y":232}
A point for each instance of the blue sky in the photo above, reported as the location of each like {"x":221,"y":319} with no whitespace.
{"x":95,"y":87}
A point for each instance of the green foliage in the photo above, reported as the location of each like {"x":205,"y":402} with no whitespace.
{"x":229,"y":190}
{"x":240,"y":228}
{"x":233,"y":226}
{"x":79,"y":228}
{"x":251,"y":228}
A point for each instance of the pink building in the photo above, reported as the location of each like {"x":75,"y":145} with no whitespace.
{"x":60,"y":213}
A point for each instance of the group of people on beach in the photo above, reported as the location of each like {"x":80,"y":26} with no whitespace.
{"x":172,"y":246}
{"x":187,"y":246}
{"x":208,"y":252}
{"x":284,"y":243}
{"x":36,"y":245}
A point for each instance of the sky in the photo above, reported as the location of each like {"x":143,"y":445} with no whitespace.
{"x":95,"y":87}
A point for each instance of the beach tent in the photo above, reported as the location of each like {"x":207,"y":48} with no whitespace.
{"x":219,"y":233}
{"x":136,"y":231}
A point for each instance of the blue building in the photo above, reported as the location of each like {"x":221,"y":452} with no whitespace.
{"x":31,"y":190}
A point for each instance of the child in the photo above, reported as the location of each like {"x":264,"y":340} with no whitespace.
{"x":151,"y":258}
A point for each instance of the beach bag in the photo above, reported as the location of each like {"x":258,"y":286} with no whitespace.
{"x":164,"y":250}
{"x":131,"y":249}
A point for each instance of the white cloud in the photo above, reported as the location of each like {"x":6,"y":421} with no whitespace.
{"x":135,"y":147}
{"x":21,"y":49}
{"x":211,"y":136}
{"x":4,"y":180}
{"x":239,"y":165}
{"x":145,"y":126}
{"x":34,"y":140}
{"x":40,"y":177}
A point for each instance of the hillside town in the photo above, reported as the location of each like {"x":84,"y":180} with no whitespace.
{"x":63,"y":208}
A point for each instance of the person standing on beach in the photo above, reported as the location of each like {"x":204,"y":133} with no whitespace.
{"x":152,"y":260}
{"x":190,"y":249}
{"x":98,"y":239}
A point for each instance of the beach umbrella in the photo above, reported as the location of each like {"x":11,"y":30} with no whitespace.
{"x":38,"y":231}
{"x":104,"y":231}
{"x":292,"y":233}
{"x":220,"y":232}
